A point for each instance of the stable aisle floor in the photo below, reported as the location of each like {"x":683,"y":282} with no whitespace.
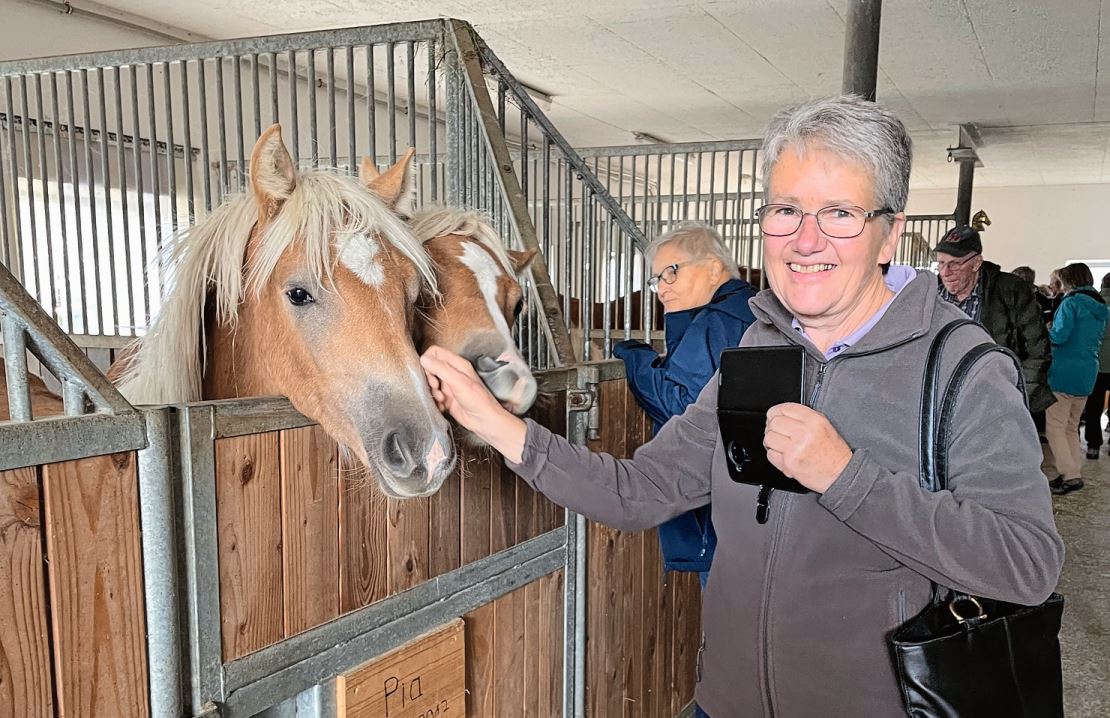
{"x":1083,"y":518}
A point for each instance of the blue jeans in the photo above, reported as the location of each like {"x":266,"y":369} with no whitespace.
{"x":699,"y":713}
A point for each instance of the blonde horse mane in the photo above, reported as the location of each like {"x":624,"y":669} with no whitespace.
{"x":325,"y":209}
{"x":433,"y":221}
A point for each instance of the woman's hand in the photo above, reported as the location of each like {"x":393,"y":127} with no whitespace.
{"x":805,"y":446}
{"x":456,"y":389}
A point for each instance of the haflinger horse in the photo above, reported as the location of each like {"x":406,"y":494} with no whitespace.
{"x":305,"y":287}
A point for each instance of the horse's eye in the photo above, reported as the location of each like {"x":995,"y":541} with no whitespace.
{"x":299,"y":297}
{"x":518,"y":308}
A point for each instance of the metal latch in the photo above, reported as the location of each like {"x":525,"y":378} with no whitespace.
{"x":584,"y":400}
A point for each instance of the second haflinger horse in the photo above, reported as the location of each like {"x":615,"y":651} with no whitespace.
{"x":480,"y":296}
{"x":305,"y":286}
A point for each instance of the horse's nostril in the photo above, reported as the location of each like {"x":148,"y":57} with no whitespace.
{"x":488,"y":365}
{"x":398,"y":457}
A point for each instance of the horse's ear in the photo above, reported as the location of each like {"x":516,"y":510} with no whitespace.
{"x":273,"y":176}
{"x":396,"y":186}
{"x":521,"y":260}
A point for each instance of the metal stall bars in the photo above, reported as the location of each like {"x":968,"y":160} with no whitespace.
{"x":920,"y":237}
{"x":661,"y":186}
{"x":103,"y":155}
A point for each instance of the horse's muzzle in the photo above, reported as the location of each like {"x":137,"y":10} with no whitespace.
{"x":415,"y":463}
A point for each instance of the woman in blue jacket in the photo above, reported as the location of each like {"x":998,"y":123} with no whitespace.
{"x":1076,"y":334}
{"x":706,"y":306}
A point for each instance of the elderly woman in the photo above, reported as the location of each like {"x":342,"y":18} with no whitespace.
{"x":798,"y":609}
{"x":706,"y":306}
{"x":1076,"y":334}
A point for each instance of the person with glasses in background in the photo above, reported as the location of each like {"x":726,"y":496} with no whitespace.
{"x":999,"y":301}
{"x":798,"y":609}
{"x":705,"y":305}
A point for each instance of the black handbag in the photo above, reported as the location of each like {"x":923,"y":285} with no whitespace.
{"x":965,"y":656}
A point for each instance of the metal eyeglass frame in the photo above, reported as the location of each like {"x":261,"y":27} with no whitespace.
{"x":654,"y":280}
{"x":867,"y":215}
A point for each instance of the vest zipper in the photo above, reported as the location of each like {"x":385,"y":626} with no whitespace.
{"x":817,"y":385}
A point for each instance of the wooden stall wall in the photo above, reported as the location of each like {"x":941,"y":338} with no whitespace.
{"x":643,"y":628}
{"x":303,"y":539}
{"x":72,"y":620}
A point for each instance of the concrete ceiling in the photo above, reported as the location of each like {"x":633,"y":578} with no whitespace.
{"x":1026,"y":72}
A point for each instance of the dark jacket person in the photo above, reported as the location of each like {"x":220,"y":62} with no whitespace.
{"x":798,"y":610}
{"x":999,"y":301}
{"x":706,"y":305}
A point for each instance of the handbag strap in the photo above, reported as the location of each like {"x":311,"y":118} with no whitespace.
{"x":936,"y":424}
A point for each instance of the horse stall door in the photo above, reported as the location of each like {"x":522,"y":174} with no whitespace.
{"x":643,"y":628}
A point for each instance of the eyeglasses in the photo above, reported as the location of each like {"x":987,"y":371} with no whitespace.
{"x":953,"y":264}
{"x":838,"y":221}
{"x":669,"y":274}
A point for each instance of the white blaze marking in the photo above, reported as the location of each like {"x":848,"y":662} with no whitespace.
{"x":486,"y":271}
{"x":357,"y":253}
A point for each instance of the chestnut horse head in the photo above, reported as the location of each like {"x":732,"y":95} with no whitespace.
{"x":480,"y":299}
{"x":306,"y":287}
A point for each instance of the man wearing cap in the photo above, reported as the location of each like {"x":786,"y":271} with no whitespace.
{"x":999,"y":301}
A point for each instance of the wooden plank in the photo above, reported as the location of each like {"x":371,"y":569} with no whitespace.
{"x":551,"y":647}
{"x":532,"y":628}
{"x":95,"y":578}
{"x":476,"y":506}
{"x":310,"y":527}
{"x":633,"y":579}
{"x":425,"y":678}
{"x":480,"y":678}
{"x":503,"y":509}
{"x":25,"y":677}
{"x":445,"y":528}
{"x":363,"y":563}
{"x":248,"y":513}
{"x":508,"y":655}
{"x":614,"y":426}
{"x":407,"y":542}
{"x":651,"y":568}
{"x":687,"y":634}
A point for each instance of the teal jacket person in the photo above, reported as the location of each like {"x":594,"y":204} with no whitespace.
{"x":1076,"y":336}
{"x":706,"y":312}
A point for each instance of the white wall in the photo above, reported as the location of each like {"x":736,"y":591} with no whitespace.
{"x":1043,"y":227}
{"x":30,"y":30}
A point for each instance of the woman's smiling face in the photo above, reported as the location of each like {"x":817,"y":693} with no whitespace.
{"x":818,"y":277}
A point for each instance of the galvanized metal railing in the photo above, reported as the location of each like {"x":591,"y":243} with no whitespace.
{"x":920,"y":236}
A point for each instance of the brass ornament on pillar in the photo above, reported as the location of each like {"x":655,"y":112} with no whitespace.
{"x":980,"y":221}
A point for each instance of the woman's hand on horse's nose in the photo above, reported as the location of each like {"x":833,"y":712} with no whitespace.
{"x":456,"y":388}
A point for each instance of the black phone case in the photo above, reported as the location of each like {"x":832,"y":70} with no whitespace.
{"x":751,"y":381}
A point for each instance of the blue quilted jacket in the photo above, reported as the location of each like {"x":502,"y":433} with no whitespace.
{"x":665,"y":385}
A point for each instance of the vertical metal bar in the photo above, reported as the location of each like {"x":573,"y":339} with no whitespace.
{"x":352,"y":158}
{"x":157,"y":512}
{"x":433,"y":121}
{"x":106,"y":184}
{"x":125,"y":214}
{"x":256,"y":103}
{"x":155,"y":187}
{"x":90,"y":180}
{"x":197,"y":487}
{"x":240,"y":150}
{"x":391,"y":99}
{"x":171,"y":146}
{"x":686,"y":187}
{"x":221,"y":131}
{"x":410,"y":103}
{"x":754,"y":231}
{"x":741,"y":216}
{"x":29,"y":174}
{"x":724,"y":199}
{"x":293,"y":109}
{"x":59,"y":183}
{"x":6,"y":236}
{"x":670,"y":210}
{"x":313,"y":129}
{"x":588,"y":259}
{"x":698,"y":214}
{"x":73,"y":398}
{"x":333,"y":140}
{"x":221,"y":120}
{"x":190,"y":194}
{"x":372,"y":104}
{"x":712,"y":186}
{"x":45,"y":173}
{"x":15,"y":364}
{"x":15,"y":249}
{"x":143,"y":310}
{"x":275,"y":96}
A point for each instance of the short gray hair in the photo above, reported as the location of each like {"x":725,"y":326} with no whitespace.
{"x":699,"y":241}
{"x":853,"y":128}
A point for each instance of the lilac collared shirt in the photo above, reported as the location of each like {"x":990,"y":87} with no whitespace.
{"x":896,"y":279}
